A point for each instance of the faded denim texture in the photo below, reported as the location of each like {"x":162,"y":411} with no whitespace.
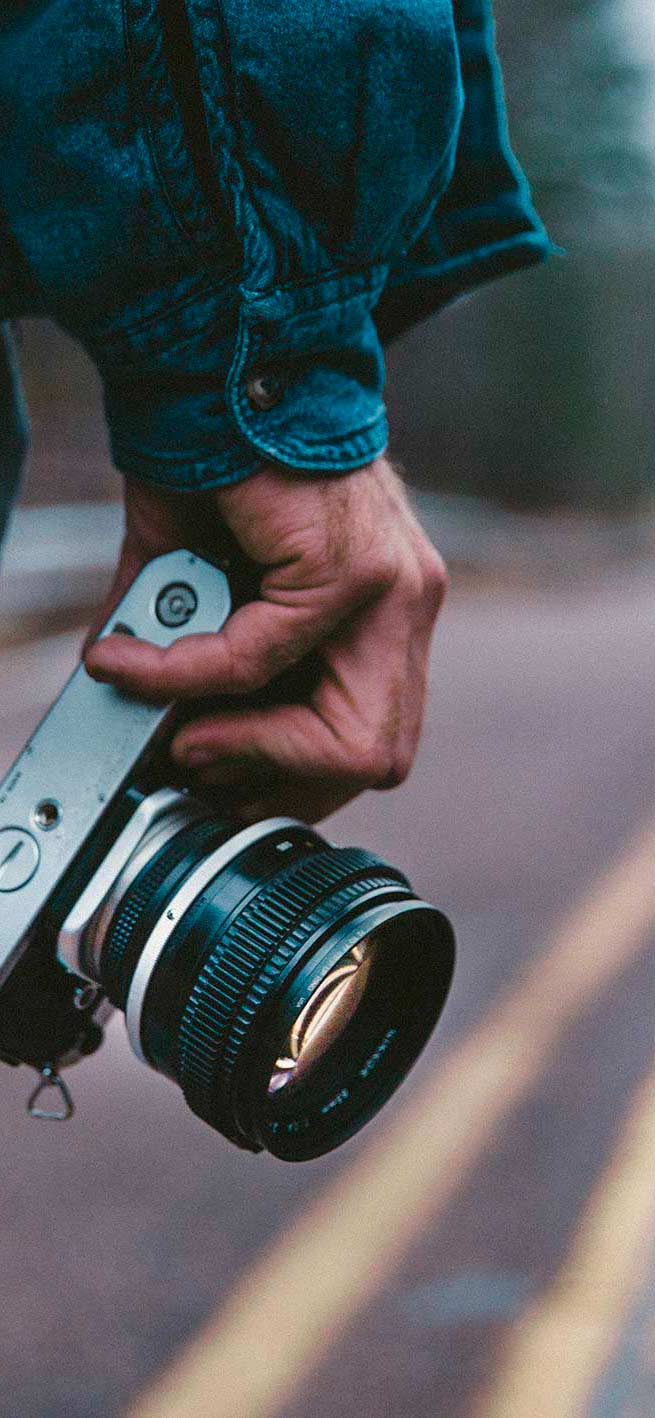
{"x":203,"y":190}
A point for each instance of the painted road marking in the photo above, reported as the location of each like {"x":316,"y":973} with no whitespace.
{"x":291,"y":1305}
{"x":561,"y":1345}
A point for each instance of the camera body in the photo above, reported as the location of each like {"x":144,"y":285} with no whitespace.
{"x":73,"y":783}
{"x":258,"y":966}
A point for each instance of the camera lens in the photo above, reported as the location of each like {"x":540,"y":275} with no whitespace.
{"x":285,"y":984}
{"x":329,"y":1009}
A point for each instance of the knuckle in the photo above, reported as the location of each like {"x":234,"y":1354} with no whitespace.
{"x":435,"y":574}
{"x":426,"y":579}
{"x":174,"y":672}
{"x":253,"y":670}
{"x":234,"y":667}
{"x":256,"y":670}
{"x":381,"y":765}
{"x":383,"y":569}
{"x":399,"y":769}
{"x":373,"y":574}
{"x":248,"y":674}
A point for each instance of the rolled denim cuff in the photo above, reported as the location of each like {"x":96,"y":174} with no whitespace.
{"x":315,"y":350}
{"x":201,"y":396}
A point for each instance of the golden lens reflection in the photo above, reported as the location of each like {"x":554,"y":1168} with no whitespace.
{"x":325,"y":1016}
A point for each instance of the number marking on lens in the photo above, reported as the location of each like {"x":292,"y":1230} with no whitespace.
{"x":378,"y":1053}
{"x":341,"y":1097}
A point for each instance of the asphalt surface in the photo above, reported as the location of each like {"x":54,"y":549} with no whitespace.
{"x":125,"y":1231}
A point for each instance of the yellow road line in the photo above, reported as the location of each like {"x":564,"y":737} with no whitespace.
{"x":290,"y":1306}
{"x":559,"y":1349}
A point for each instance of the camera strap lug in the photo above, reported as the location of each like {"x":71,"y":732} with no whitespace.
{"x":62,"y":1107}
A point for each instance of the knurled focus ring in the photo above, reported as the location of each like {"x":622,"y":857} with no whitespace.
{"x":245,"y":964}
{"x":129,"y":925}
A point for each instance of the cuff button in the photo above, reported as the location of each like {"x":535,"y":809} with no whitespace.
{"x":265,"y":389}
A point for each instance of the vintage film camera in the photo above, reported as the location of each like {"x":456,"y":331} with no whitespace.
{"x":285,"y":984}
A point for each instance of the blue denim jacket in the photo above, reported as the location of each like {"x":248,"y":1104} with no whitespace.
{"x":234,"y":204}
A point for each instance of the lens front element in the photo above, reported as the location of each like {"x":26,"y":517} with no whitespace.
{"x":322,"y":1020}
{"x":368,"y":1026}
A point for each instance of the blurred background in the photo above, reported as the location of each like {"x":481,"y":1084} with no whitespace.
{"x":485,"y":1249}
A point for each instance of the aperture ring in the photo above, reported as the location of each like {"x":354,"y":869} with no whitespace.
{"x":246,"y":961}
{"x":207,"y":870}
{"x":129,"y":926}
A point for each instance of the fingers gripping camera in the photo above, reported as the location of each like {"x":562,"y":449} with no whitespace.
{"x":286,"y":985}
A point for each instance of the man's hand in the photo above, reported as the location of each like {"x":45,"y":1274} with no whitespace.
{"x":347,"y":573}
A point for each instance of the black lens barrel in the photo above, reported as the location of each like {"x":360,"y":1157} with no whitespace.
{"x":212,"y":1002}
{"x":247,"y":964}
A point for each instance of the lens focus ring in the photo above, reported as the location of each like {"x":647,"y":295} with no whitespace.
{"x":131,"y":922}
{"x":246,"y":962}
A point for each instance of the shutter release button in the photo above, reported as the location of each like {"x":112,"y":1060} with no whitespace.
{"x":176,"y":604}
{"x":19,"y":858}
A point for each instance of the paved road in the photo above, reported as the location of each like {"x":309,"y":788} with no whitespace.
{"x":485,"y":1248}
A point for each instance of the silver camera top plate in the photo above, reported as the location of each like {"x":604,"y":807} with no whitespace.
{"x":89,"y":743}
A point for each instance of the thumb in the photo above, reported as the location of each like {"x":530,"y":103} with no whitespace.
{"x":258,"y":642}
{"x":156,"y":521}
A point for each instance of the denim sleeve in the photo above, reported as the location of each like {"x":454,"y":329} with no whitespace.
{"x":323,"y":135}
{"x":484,"y":224}
{"x":234,"y":203}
